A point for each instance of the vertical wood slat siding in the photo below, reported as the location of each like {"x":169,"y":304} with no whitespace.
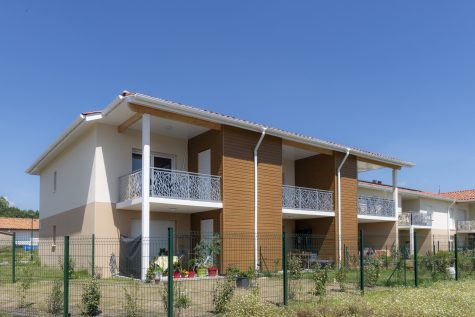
{"x":349,"y":200}
{"x":238,"y":193}
{"x":212,"y":140}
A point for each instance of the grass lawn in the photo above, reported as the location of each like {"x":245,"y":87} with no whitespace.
{"x":444,"y":298}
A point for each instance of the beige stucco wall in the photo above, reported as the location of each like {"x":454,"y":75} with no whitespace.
{"x":75,"y":185}
{"x":113,"y":157}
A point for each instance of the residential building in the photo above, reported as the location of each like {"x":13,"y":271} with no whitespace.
{"x":25,"y":230}
{"x":434,"y":217}
{"x":145,"y":164}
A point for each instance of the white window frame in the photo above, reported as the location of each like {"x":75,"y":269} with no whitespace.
{"x":172,"y":157}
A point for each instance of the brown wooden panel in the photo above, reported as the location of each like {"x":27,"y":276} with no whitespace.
{"x":212,"y":140}
{"x":316,"y":171}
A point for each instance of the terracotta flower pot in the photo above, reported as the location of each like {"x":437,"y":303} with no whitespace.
{"x":212,"y":271}
{"x":176,"y":275}
{"x":191,"y":274}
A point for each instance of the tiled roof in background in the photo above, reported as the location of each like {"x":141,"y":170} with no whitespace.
{"x":19,"y":223}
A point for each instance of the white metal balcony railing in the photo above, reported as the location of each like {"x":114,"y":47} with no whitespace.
{"x":414,"y":218}
{"x":376,"y":206}
{"x":306,"y":198}
{"x":466,"y":225}
{"x":174,"y":184}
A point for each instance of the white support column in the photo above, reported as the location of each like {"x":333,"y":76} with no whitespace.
{"x":396,"y":205}
{"x":145,"y":194}
{"x":411,"y":240}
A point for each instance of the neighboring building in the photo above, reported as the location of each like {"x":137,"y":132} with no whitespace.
{"x":434,"y":217}
{"x":25,"y":229}
{"x":144,"y":164}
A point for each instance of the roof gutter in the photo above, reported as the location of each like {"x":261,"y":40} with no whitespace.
{"x":339,"y":204}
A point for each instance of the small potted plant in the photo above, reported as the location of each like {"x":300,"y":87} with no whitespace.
{"x":177,"y":270}
{"x":191,"y":268}
{"x":201,"y":271}
{"x":214,"y":250}
{"x":158,"y":274}
{"x":243,"y":278}
{"x":183,"y":273}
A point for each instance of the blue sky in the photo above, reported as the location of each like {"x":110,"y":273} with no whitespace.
{"x":395,"y":77}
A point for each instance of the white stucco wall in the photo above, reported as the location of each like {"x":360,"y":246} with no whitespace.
{"x":113,"y":157}
{"x":74,"y":177}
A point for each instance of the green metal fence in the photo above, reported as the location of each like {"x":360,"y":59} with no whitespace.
{"x":196,"y":275}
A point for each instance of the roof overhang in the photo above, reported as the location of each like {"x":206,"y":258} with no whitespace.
{"x":81,"y":123}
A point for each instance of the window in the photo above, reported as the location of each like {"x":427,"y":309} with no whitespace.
{"x":54,"y":181}
{"x":157,"y":160}
{"x":54,"y":234}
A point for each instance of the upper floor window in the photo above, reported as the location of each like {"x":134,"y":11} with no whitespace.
{"x":157,"y":160}
{"x":55,"y":181}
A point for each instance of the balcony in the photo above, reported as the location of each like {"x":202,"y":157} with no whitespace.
{"x":466,"y":226}
{"x":172,"y":189}
{"x":371,"y":207}
{"x":418,"y":219}
{"x":307,"y":202}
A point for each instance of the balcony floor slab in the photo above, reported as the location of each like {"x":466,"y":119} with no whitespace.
{"x":171,"y":205}
{"x":305,"y":214}
{"x":369,"y":218}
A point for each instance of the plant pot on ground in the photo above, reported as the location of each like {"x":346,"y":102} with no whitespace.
{"x":201,"y":271}
{"x":213,"y":271}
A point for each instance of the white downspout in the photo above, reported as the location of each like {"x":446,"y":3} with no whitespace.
{"x":256,"y":195}
{"x":339,"y":205}
{"x":448,"y":222}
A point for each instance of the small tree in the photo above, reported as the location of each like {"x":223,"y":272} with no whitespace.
{"x":131,"y":302}
{"x":91,"y":298}
{"x":24,"y":285}
{"x":55,"y":299}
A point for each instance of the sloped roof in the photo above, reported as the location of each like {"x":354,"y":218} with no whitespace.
{"x":19,"y":223}
{"x":468,"y":194}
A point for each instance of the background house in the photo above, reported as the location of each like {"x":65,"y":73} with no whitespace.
{"x":25,"y":229}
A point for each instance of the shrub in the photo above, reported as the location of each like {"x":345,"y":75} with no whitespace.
{"x":340,"y":277}
{"x":54,"y":302}
{"x":91,"y":298}
{"x":320,"y":278}
{"x":371,"y":271}
{"x":224,"y":289}
{"x":181,"y":300}
{"x":295,"y":274}
{"x":131,"y":302}
{"x":72,"y":267}
{"x":248,"y":304}
{"x":24,"y":285}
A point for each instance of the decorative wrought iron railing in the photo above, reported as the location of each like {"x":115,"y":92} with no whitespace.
{"x":130,"y":186}
{"x":466,"y":225}
{"x":376,"y":206}
{"x":174,"y":184}
{"x":414,"y":218}
{"x":306,"y":198}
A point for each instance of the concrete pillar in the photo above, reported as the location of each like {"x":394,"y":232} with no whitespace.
{"x":145,"y":194}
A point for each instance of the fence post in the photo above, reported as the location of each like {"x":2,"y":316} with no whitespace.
{"x":14,"y":257}
{"x":93,"y":251}
{"x":456,"y":258}
{"x":361,"y":262}
{"x":284,"y":268}
{"x":66,"y":277}
{"x":416,"y":270}
{"x":170,"y":272}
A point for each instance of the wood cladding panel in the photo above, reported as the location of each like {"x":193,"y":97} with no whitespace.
{"x":212,"y":140}
{"x":238,"y":190}
{"x":316,"y":171}
{"x":349,"y":200}
{"x":323,"y":235}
